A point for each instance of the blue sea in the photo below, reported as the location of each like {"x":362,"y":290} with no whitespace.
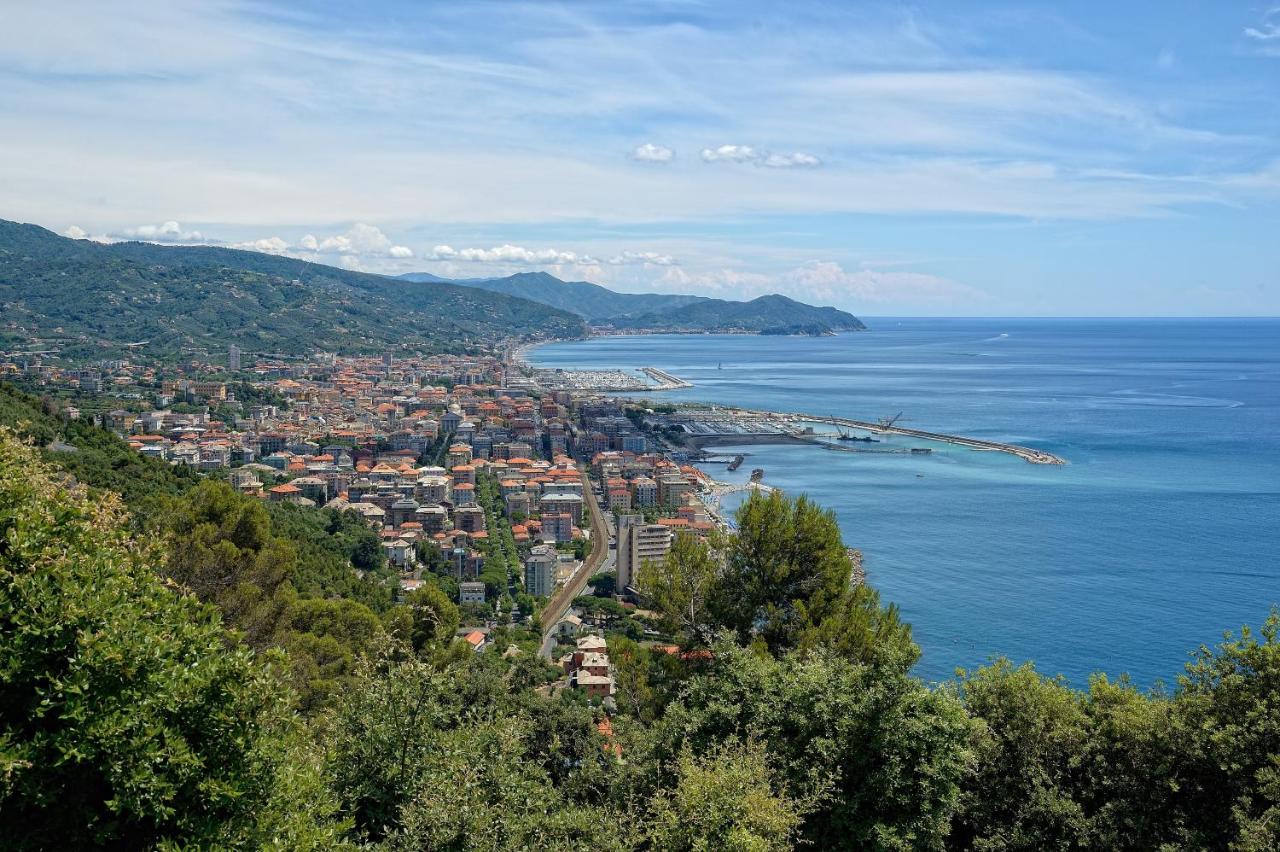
{"x":1161,"y":532}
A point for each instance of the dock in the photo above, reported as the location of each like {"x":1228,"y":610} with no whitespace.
{"x":728,"y":426}
{"x":1027,"y":454}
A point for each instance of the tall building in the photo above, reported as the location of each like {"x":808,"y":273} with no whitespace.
{"x":540,"y":571}
{"x":233,"y":358}
{"x":638,"y":543}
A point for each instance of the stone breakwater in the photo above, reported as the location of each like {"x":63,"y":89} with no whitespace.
{"x":1028,"y":454}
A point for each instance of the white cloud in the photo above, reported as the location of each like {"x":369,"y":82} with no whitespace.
{"x":268,"y":245}
{"x":362,"y":239}
{"x":644,"y":258}
{"x":747,"y":154}
{"x":791,"y":161}
{"x":1268,"y":28}
{"x":651,"y":153}
{"x":730,"y":154}
{"x":511,"y":255}
{"x":166,"y":232}
{"x":826,"y":281}
{"x":75,"y":232}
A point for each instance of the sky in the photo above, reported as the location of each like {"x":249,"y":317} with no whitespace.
{"x":926,"y":158}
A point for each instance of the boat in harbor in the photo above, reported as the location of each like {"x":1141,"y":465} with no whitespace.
{"x":757,"y":474}
{"x":846,"y":435}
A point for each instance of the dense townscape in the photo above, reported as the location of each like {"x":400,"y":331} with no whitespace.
{"x":434,"y":604}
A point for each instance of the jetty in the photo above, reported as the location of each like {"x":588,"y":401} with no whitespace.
{"x":1027,"y":454}
{"x":729,"y":426}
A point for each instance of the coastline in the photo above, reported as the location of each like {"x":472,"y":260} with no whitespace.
{"x":668,"y":381}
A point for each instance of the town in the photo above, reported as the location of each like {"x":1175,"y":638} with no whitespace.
{"x":531,"y":505}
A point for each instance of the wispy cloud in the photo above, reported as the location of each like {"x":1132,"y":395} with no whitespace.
{"x":166,"y":232}
{"x":730,"y":154}
{"x":651,"y":153}
{"x":748,"y":154}
{"x":1268,"y":29}
{"x":521,"y":256}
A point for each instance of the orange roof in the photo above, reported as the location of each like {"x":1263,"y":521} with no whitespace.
{"x":475,"y":637}
{"x":286,"y":488}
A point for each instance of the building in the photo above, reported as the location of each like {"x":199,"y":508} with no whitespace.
{"x":589,"y":668}
{"x":673,"y":490}
{"x":557,"y":527}
{"x":644,"y":491}
{"x":471,"y":592}
{"x":540,"y":571}
{"x":570,"y":504}
{"x":233,"y":358}
{"x":638,"y":543}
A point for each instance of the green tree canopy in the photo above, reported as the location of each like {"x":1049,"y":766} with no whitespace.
{"x":126,"y":718}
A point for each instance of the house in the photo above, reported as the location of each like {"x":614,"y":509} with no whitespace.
{"x":477,"y":639}
{"x":471,"y":592}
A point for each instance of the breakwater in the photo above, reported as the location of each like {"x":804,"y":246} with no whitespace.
{"x":1028,"y":454}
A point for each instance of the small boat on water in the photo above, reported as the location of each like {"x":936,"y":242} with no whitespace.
{"x":920,"y":451}
{"x":757,"y":474}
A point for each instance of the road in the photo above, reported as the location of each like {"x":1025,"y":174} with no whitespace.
{"x":601,"y":557}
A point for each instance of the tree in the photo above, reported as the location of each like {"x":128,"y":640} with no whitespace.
{"x":475,"y":792}
{"x":1029,"y":745}
{"x":428,"y":618}
{"x":681,"y":586}
{"x":223,"y":551}
{"x":858,"y":628}
{"x":786,"y":570}
{"x":1226,"y":709}
{"x":723,"y":800}
{"x":127,"y":719}
{"x":881,"y":755}
{"x":323,"y":639}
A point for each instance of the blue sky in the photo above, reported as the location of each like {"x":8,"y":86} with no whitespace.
{"x":944,"y":158}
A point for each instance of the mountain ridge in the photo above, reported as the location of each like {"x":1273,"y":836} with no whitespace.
{"x":602,"y":307}
{"x":84,"y":297}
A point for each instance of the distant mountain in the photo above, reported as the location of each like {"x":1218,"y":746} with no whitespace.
{"x":600,"y":306}
{"x":773,"y":314}
{"x":85,"y":298}
{"x":590,"y":301}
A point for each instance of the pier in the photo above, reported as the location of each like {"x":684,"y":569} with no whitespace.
{"x":726,"y":426}
{"x":1027,"y":454}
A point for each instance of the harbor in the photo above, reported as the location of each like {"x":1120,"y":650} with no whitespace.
{"x":716,"y":426}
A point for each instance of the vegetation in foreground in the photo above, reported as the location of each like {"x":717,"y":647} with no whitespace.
{"x":156,"y":691}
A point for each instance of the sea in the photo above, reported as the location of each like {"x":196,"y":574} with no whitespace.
{"x":1161,"y":531}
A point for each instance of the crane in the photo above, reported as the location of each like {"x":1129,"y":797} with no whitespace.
{"x":888,"y":422}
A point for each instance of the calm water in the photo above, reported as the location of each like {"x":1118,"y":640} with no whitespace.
{"x":1163,"y":530}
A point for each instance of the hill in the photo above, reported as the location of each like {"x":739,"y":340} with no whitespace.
{"x":773,"y":314}
{"x":600,"y":306}
{"x":87,"y":299}
{"x":590,"y":301}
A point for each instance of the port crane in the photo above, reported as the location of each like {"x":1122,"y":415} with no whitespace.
{"x":888,"y":422}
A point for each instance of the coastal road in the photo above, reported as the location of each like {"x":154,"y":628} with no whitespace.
{"x":600,"y":557}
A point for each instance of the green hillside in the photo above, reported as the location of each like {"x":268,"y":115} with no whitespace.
{"x":87,"y":299}
{"x":771,"y":314}
{"x":589,"y":301}
{"x":602,"y":306}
